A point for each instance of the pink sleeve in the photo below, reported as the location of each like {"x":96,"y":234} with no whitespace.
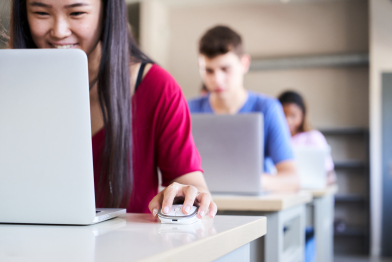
{"x":177,"y":153}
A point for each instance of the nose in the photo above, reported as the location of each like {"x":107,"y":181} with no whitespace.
{"x":61,"y":28}
{"x":219,"y":78}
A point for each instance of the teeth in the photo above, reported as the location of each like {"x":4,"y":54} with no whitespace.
{"x":63,"y":46}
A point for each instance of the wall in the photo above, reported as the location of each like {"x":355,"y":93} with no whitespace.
{"x":381,"y":60}
{"x":154,"y":30}
{"x":336,"y":97}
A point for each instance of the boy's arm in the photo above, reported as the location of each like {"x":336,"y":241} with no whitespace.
{"x":286,"y":179}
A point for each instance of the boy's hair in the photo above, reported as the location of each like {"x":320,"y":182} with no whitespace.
{"x":220,"y":40}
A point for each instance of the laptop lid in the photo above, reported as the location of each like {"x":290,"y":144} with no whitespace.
{"x":231,"y":150}
{"x":46,"y":168}
{"x":310,"y":163}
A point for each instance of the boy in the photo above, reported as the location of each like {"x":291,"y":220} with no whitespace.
{"x":222,"y":65}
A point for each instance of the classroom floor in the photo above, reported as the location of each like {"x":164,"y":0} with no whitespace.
{"x":359,"y":259}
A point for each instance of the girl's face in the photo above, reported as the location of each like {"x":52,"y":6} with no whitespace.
{"x":65,"y":23}
{"x":294,"y":117}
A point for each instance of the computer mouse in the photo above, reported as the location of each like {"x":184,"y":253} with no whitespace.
{"x":175,"y":216}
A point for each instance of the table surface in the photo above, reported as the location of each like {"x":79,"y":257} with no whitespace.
{"x":131,"y":237}
{"x":267,"y":202}
{"x":332,"y":189}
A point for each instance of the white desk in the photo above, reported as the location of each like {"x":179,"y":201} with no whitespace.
{"x":133,"y":237}
{"x":286,"y":222}
{"x":323,"y":216}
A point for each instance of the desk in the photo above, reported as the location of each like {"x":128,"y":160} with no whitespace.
{"x":286,"y":222}
{"x":323,"y":216}
{"x":133,"y":237}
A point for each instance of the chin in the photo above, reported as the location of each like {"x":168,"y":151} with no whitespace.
{"x":221,"y":94}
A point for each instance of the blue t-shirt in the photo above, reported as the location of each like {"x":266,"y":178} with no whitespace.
{"x":277,"y":146}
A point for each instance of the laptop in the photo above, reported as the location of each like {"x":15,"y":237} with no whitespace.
{"x":310,"y":163}
{"x":231,"y":148}
{"x":46,"y":165}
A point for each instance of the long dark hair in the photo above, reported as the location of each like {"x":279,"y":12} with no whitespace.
{"x":292,"y":97}
{"x":119,"y":49}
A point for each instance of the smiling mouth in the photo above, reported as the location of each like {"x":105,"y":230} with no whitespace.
{"x":63,"y":46}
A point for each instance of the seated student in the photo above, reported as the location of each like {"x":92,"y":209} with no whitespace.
{"x":124,"y":82}
{"x":301,"y":135}
{"x":222,"y":65}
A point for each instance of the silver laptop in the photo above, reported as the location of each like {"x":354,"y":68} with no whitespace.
{"x":310,"y":163}
{"x":46,"y":166}
{"x":231,"y":148}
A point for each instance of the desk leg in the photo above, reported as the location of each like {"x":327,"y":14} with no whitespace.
{"x":286,"y":246}
{"x":240,"y":254}
{"x":323,"y":227}
{"x":277,"y":245}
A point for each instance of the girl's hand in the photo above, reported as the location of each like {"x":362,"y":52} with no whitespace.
{"x":190,"y":195}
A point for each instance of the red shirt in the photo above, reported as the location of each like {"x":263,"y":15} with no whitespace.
{"x":162,"y":137}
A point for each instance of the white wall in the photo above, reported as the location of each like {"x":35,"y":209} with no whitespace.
{"x":154,"y":31}
{"x":381,"y":60}
{"x":336,"y":97}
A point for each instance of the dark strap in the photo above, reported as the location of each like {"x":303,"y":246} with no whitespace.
{"x":140,"y":75}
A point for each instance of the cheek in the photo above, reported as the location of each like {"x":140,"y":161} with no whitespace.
{"x":231,"y":78}
{"x":84,"y":33}
{"x":298,"y":120}
{"x":38,"y":29}
{"x":290,"y":121}
{"x":235,"y":77}
{"x":207,"y":80}
{"x":206,"y":77}
{"x":87,"y":35}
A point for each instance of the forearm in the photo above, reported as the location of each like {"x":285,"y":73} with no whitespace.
{"x":286,"y":179}
{"x":280,"y":182}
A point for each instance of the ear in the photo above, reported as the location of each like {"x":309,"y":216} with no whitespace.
{"x":245,"y":61}
{"x":201,"y":63}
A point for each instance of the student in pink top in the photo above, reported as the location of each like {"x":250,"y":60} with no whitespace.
{"x":139,"y":117}
{"x":301,"y":134}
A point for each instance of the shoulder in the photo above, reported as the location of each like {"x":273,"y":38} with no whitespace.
{"x":264,"y":102}
{"x":159,"y":76}
{"x":315,"y":135}
{"x":269,"y":106}
{"x":311,"y":138}
{"x":158,"y":82}
{"x":196,"y":104}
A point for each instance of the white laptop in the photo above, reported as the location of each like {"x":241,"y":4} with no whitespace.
{"x":310,"y":163}
{"x":46,"y":166}
{"x":231,"y":149}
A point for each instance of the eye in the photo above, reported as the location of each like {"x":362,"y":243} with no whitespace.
{"x":77,"y":13}
{"x":41,"y":13}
